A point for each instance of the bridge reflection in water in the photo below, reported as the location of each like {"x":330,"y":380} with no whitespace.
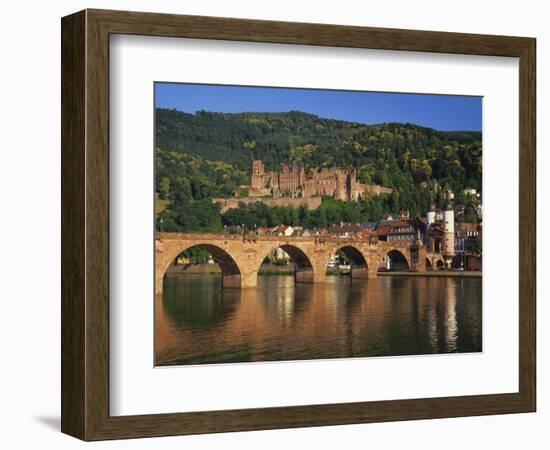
{"x":199,"y":322}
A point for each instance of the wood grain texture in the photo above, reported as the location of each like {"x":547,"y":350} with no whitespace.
{"x":97,"y":225}
{"x":73,"y":108}
{"x":201,"y":27}
{"x":527,"y":228}
{"x":85,"y":224}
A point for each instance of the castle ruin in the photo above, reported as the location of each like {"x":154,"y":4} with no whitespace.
{"x":293,"y":181}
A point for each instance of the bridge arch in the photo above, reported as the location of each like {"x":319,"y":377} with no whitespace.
{"x":305,"y":267}
{"x":436,"y":261}
{"x":429,"y":264}
{"x":358,"y":262}
{"x":396,"y":260}
{"x":231,"y":272}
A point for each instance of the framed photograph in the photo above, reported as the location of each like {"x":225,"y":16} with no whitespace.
{"x":272,"y":225}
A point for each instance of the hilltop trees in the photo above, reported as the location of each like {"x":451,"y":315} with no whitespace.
{"x":205,"y":155}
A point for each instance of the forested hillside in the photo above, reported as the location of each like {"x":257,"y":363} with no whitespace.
{"x":205,"y":155}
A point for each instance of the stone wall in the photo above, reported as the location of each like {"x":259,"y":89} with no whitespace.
{"x":231,"y":203}
{"x":377,"y":189}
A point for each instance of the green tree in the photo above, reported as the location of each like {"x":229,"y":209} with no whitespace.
{"x":164,"y":188}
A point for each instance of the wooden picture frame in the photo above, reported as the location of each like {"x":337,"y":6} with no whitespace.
{"x":85,"y":224}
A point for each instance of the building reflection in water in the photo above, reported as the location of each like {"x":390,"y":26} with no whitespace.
{"x":451,"y":325}
{"x":198,"y":322}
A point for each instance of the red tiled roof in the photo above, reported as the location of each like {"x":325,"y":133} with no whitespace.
{"x":466,"y":226}
{"x":383,"y":230}
{"x":282,"y":228}
{"x":401,"y":223}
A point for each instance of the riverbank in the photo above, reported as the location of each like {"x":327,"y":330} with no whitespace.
{"x":193,"y":269}
{"x":439,"y":273}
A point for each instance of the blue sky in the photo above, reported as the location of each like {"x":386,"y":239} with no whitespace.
{"x":442,"y":112}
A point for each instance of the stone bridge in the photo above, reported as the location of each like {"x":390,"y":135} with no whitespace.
{"x":240,"y":256}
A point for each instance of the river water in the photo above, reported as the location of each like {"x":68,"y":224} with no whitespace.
{"x":198,"y":322}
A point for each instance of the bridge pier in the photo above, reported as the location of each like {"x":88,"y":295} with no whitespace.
{"x":309,"y":276}
{"x":231,"y":281}
{"x":304,"y":276}
{"x":247,"y":280}
{"x":159,"y":281}
{"x":362,"y":273}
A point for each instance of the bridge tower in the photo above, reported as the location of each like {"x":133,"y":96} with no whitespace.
{"x":448,"y":244}
{"x":430,"y":215}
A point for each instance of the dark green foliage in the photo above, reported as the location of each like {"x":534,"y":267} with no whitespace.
{"x":470,"y":215}
{"x":330,"y":212}
{"x":205,"y":155}
{"x":183,"y":176}
{"x":196,"y":255}
{"x":191,"y":215}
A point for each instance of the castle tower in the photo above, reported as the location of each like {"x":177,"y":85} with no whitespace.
{"x":284,"y":177}
{"x":302,"y":177}
{"x":295,"y":172}
{"x":448,"y":244}
{"x":341,"y":182}
{"x":258,"y":175}
{"x":352,"y":193}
